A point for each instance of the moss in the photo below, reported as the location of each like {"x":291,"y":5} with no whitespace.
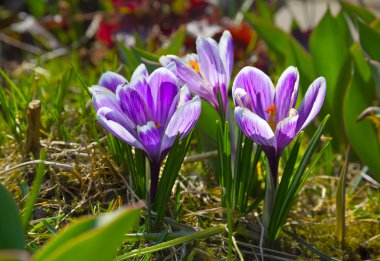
{"x":358,"y":245}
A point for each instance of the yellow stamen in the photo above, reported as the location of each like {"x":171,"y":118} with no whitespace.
{"x":193,"y":64}
{"x":272,"y":111}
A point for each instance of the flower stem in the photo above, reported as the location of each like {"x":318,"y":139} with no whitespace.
{"x":273,"y":166}
{"x":154,"y":174}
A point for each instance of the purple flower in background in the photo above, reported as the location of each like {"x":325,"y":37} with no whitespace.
{"x":267,"y":115}
{"x":147,"y":112}
{"x":208,"y":71}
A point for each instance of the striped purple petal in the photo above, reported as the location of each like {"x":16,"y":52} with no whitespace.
{"x":259,"y":87}
{"x":111,"y":80}
{"x":286,"y":131}
{"x":150,"y":139}
{"x":182,"y":122}
{"x":226,"y":53}
{"x":286,"y":93}
{"x":255,"y":128}
{"x":311,"y":103}
{"x":118,"y":131}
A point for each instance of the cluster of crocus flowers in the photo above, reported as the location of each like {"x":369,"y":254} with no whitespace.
{"x":267,"y":115}
{"x":207,"y":72}
{"x":148,"y":112}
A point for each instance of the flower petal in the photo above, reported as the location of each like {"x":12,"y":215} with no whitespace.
{"x":210,"y":63}
{"x":286,"y":93}
{"x":150,"y":139}
{"x":242,"y":99}
{"x":255,"y":128}
{"x":311,"y":103}
{"x":140,"y":71}
{"x":182,"y":122}
{"x":189,"y":77}
{"x":118,"y":117}
{"x":111,"y":80}
{"x":105,"y":99}
{"x":118,"y":131}
{"x":184,"y":96}
{"x":259,"y":87}
{"x":163,"y":85}
{"x":226,"y":53}
{"x":95,"y":89}
{"x":133,"y":105}
{"x":286,"y":131}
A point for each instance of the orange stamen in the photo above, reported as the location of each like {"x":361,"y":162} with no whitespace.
{"x":157,"y":124}
{"x":193,"y":64}
{"x":272,"y":111}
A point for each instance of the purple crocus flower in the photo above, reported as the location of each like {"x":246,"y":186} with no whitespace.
{"x":267,"y":115}
{"x":147,"y":112}
{"x":208,"y":71}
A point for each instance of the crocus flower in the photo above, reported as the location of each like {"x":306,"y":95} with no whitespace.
{"x":267,"y":115}
{"x":148,"y":112}
{"x":208,"y":71}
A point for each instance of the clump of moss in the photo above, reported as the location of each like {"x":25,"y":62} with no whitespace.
{"x":357,"y":246}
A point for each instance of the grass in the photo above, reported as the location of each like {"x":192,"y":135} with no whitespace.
{"x":83,"y":178}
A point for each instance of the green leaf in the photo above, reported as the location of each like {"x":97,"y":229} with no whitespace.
{"x":33,"y":194}
{"x":175,"y":44}
{"x":286,"y":48}
{"x":360,"y":62}
{"x":169,"y":175}
{"x":282,"y":205}
{"x":341,"y":201}
{"x":224,"y":162}
{"x":355,"y":11}
{"x":362,"y":135}
{"x":91,"y":238}
{"x":36,"y":7}
{"x":369,"y":39}
{"x":196,"y":235}
{"x":11,"y":232}
{"x":145,"y":56}
{"x":330,"y":48}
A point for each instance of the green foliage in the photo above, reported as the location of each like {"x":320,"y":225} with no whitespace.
{"x":292,"y":181}
{"x":196,"y":235}
{"x":91,"y":238}
{"x":246,"y":181}
{"x":287,"y":50}
{"x":11,"y":232}
{"x":169,"y":175}
{"x":362,"y":135}
{"x":330,"y":48}
{"x":33,"y":194}
{"x":341,"y":202}
{"x":175,"y":44}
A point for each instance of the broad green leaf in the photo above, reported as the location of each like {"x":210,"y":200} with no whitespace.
{"x":330,"y":48}
{"x":375,"y":68}
{"x":355,"y":11}
{"x":362,"y":135}
{"x":360,"y":62}
{"x":91,"y":238}
{"x":11,"y":232}
{"x":285,"y":47}
{"x":341,"y":201}
{"x":369,"y":40}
